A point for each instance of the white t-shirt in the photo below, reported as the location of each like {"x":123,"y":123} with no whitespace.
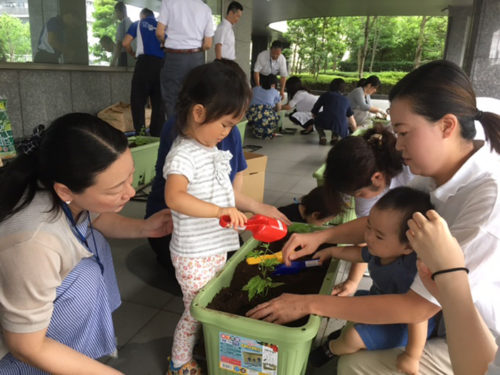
{"x":265,"y":65}
{"x":363,"y":206}
{"x":224,"y":35}
{"x":187,"y":23}
{"x":470,"y":204}
{"x":207,"y":170}
{"x":303,"y":101}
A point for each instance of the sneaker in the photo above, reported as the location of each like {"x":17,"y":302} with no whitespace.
{"x":322,"y":354}
{"x":189,"y":368}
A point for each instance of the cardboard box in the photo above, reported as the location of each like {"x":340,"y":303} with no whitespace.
{"x":119,"y":116}
{"x":254,"y":176}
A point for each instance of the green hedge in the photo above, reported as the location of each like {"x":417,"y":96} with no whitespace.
{"x":379,"y":66}
{"x":388,"y":79}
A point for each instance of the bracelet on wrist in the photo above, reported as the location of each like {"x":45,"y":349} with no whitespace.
{"x":449,"y":270}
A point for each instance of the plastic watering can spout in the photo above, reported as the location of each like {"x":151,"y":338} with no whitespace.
{"x":263,"y":228}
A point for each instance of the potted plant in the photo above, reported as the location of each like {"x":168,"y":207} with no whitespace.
{"x":236,"y":343}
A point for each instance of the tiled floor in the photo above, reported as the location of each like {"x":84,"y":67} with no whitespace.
{"x":151,"y":307}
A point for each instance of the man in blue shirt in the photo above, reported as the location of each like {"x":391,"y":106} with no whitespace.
{"x":156,"y":199}
{"x":146,"y":79}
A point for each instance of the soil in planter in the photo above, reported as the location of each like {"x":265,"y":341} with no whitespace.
{"x":235,"y":301}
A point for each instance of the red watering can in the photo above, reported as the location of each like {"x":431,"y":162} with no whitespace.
{"x":263,"y":228}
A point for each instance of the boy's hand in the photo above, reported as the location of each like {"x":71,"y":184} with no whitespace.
{"x":346,"y":288}
{"x":407,"y":364}
{"x":323,"y":255}
{"x":238,"y":218}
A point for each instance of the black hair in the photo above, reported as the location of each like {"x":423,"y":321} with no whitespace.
{"x":317,"y":200}
{"x":72,"y":151}
{"x":146,"y":12}
{"x":293,"y":84}
{"x":120,"y":6}
{"x":267,"y":81}
{"x":407,"y":201}
{"x":371,"y":80}
{"x":234,"y":6}
{"x":220,"y":86}
{"x":338,"y":84}
{"x":442,"y":87}
{"x":353,"y":160}
{"x":277,"y":44}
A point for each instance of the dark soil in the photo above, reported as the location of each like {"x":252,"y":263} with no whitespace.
{"x":235,"y":301}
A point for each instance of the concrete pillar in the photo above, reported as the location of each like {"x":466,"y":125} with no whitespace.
{"x":482,"y":57}
{"x":75,"y":31}
{"x":242,"y":34}
{"x":459,"y":20}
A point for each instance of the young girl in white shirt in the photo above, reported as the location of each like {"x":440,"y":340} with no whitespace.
{"x":198,"y":189}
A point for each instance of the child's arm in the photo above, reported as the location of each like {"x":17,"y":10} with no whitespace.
{"x":178,"y":199}
{"x":350,"y":285}
{"x":408,"y":361}
{"x":349,"y":253}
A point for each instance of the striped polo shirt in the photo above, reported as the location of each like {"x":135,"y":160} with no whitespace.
{"x":207,"y":170}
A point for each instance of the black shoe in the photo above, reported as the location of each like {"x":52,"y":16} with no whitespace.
{"x":322,"y":141}
{"x":322,"y":354}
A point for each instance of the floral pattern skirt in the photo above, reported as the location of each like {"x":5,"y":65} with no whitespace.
{"x":263,"y":120}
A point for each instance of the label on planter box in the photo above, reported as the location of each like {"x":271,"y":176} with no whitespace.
{"x":242,"y":355}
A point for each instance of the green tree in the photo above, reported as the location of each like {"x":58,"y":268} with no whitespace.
{"x":104,"y":25}
{"x":15,"y":41}
{"x":316,"y":43}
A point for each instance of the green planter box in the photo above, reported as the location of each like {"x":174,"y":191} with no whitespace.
{"x":284,"y":350}
{"x":144,"y":159}
{"x":242,"y":125}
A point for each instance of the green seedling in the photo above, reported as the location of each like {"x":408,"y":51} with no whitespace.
{"x":257,"y":286}
{"x":260,"y":284}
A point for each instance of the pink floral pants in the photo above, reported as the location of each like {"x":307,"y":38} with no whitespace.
{"x":192,"y":275}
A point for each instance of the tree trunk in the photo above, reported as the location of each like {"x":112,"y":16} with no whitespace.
{"x":420,"y":42}
{"x":368,"y":26}
{"x":294,"y":60}
{"x":376,"y":38}
{"x":314,"y":64}
{"x":323,"y":42}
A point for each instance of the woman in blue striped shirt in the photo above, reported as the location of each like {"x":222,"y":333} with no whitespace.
{"x":58,"y":283}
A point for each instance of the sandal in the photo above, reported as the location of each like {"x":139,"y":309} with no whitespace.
{"x":189,"y":368}
{"x":334,"y":140}
{"x":322,"y":354}
{"x":309,"y":130}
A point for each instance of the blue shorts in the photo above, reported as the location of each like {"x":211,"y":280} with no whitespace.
{"x":387,"y":336}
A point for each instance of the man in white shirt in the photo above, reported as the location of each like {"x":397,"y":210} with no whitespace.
{"x":190,"y":30}
{"x":224,"y":35}
{"x":271,"y":62}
